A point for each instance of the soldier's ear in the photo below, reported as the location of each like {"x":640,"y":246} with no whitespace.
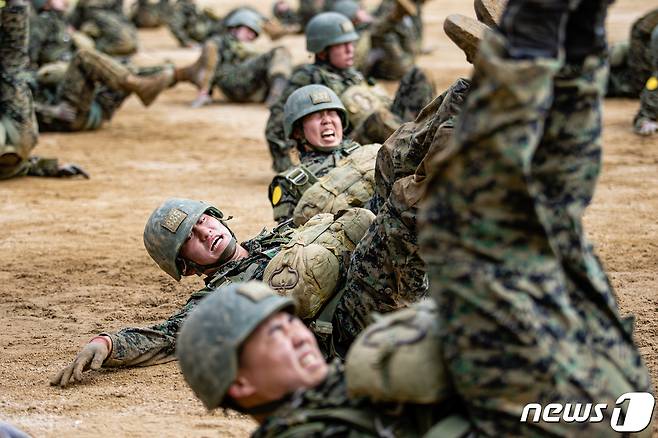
{"x":241,"y":388}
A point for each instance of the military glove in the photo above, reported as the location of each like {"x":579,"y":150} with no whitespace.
{"x":71,"y":170}
{"x":91,"y":356}
{"x":202,"y":99}
{"x":62,"y":111}
{"x":9,"y":431}
{"x":646,"y":127}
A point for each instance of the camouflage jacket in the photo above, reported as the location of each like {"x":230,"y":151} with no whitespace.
{"x":189,"y":25}
{"x":328,"y":411}
{"x":288,"y":187}
{"x":86,"y":9}
{"x":319,"y":72}
{"x":408,"y":31}
{"x":156,"y":344}
{"x":230,"y":51}
{"x":50,"y":40}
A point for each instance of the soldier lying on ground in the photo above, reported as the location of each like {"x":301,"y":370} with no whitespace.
{"x":105,"y":22}
{"x":78,"y":89}
{"x":526,"y":311}
{"x":18,"y":125}
{"x":186,"y":237}
{"x":227,"y":62}
{"x":244,"y":349}
{"x":331,"y":36}
{"x":314,"y":118}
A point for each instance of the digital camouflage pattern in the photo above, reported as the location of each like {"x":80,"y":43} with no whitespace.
{"x":105,"y":22}
{"x":386,"y":272}
{"x":18,"y":129}
{"x":156,"y":344}
{"x":526,"y":310}
{"x":245,"y":75}
{"x":287,"y":188}
{"x":50,"y":40}
{"x":189,"y":25}
{"x":328,"y":410}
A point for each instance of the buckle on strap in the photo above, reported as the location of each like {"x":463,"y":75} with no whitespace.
{"x":297,"y":176}
{"x":351,"y":148}
{"x":321,"y":328}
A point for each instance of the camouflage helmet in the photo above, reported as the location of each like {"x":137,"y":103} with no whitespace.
{"x":167,"y":230}
{"x":210,"y":340}
{"x":308,"y":100}
{"x":327,"y":29}
{"x":348,"y":8}
{"x":245,"y":17}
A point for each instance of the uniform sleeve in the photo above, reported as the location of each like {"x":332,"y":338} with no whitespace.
{"x":176,"y":23}
{"x":37,"y":39}
{"x":152,"y":345}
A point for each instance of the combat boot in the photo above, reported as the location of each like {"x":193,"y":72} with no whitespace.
{"x":489,"y":11}
{"x":148,"y":88}
{"x":279,"y":83}
{"x":201,"y":72}
{"x":466,"y":33}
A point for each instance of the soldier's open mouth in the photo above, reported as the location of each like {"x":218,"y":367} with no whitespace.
{"x":330,"y":133}
{"x":215,"y":243}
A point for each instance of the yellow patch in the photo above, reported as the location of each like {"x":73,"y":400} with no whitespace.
{"x":652,"y":83}
{"x":277,"y":193}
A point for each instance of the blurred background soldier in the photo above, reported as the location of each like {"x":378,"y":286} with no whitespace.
{"x":18,"y":125}
{"x":146,"y":14}
{"x":634,"y":71}
{"x":229,"y":62}
{"x":78,"y":89}
{"x":105,"y":23}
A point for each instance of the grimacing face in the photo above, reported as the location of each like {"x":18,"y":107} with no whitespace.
{"x":279,"y":357}
{"x":244,"y":34}
{"x":341,"y":55}
{"x":207,"y":241}
{"x":323,"y":128}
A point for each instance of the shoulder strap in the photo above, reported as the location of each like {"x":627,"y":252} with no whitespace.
{"x":361,"y":420}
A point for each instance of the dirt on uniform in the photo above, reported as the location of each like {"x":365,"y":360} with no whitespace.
{"x":72,"y":262}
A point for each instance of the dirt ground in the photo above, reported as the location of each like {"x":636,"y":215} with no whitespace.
{"x":72,"y":262}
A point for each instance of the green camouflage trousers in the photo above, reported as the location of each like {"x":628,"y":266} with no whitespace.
{"x":18,"y":127}
{"x":250,"y":80}
{"x":526,"y":310}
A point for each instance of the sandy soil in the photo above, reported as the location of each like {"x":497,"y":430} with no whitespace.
{"x":72,"y":262}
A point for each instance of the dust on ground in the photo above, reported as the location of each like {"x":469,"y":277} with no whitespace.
{"x":73,"y":263}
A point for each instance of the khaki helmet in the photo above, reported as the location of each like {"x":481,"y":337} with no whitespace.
{"x":348,"y":8}
{"x":245,"y":17}
{"x":308,"y":100}
{"x":168,"y":228}
{"x":210,"y":340}
{"x":327,"y":29}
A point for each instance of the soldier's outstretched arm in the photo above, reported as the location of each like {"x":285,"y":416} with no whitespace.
{"x":128,"y":347}
{"x":13,"y":50}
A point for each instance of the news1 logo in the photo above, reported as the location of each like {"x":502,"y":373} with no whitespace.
{"x":636,"y":419}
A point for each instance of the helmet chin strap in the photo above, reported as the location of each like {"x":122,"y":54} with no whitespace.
{"x":224,"y":257}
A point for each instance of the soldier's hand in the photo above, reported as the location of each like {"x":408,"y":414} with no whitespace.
{"x":91,"y":356}
{"x":62,"y":111}
{"x":71,"y":170}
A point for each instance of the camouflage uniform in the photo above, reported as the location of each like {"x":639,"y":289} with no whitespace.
{"x":189,"y":25}
{"x":307,"y":9}
{"x":526,"y":311}
{"x":633,"y":64}
{"x":50,"y":40}
{"x":243,"y":74}
{"x":18,"y":127}
{"x":374,"y":130}
{"x":386,"y":272}
{"x":105,"y":22}
{"x":156,"y":344}
{"x":293,"y":182}
{"x":328,"y":411}
{"x":148,"y":14}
